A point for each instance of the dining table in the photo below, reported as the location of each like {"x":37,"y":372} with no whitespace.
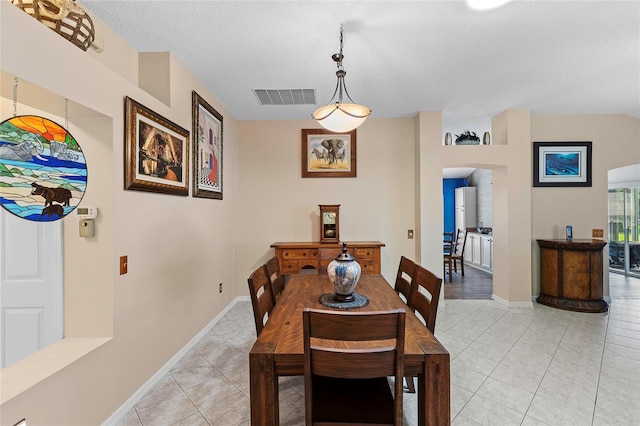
{"x":278,"y":350}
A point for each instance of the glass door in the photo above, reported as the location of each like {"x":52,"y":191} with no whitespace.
{"x":624,"y":231}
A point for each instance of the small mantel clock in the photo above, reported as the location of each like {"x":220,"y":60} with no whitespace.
{"x":329,"y":223}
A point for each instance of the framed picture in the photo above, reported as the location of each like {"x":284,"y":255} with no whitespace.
{"x":207,"y":149}
{"x":156,"y":152}
{"x":328,"y":154}
{"x":561,"y":164}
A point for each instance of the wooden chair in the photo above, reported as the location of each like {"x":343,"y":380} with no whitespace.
{"x":425,"y":296}
{"x":458,"y":253}
{"x":406,"y":270}
{"x":404,"y":278}
{"x":447,"y":256}
{"x":275,"y":277}
{"x":350,"y":385}
{"x":261,"y":297}
{"x":447,"y":241}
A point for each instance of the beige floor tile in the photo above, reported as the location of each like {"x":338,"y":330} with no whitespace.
{"x":487,"y":412}
{"x":167,"y":411}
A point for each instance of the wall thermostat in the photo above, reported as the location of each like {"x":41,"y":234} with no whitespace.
{"x":87,"y":212}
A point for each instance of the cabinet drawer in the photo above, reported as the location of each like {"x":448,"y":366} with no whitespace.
{"x":290,"y":267}
{"x":300,"y":253}
{"x":364,"y":253}
{"x":331,"y":253}
{"x":366,"y":266}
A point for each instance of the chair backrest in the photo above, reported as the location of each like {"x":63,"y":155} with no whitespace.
{"x":261,"y":297}
{"x":406,"y":271}
{"x":350,"y":359}
{"x":425,"y":296}
{"x":461,"y":242}
{"x":448,"y":239}
{"x":275,"y":277}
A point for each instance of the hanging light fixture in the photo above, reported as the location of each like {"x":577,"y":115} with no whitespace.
{"x":341,"y":116}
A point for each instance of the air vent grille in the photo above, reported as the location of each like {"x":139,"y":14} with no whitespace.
{"x":286,"y":96}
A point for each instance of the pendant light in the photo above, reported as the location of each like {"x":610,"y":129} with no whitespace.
{"x":341,"y":116}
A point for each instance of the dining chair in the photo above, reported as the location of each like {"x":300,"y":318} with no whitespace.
{"x":261,"y":297}
{"x":347,"y":359}
{"x":425,"y":296}
{"x":406,"y":270}
{"x":447,"y":240}
{"x":458,"y":253}
{"x":404,"y":278}
{"x":275,"y":277}
{"x":447,"y":257}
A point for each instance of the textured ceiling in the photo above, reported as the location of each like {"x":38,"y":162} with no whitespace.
{"x":551,"y":57}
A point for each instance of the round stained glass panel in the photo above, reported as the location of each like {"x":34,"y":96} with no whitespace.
{"x":43,"y":172}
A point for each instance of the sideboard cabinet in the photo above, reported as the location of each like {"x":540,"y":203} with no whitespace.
{"x":295,"y":256}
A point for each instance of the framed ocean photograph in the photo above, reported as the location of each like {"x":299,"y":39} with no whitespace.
{"x":207,"y":149}
{"x":558,"y":164}
{"x":156,"y":152}
{"x":43,"y":171}
{"x":328,"y":154}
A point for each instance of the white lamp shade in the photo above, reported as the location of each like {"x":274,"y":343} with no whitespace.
{"x":333,"y":116}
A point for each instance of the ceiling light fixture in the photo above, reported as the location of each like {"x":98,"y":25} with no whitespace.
{"x":486,"y":4}
{"x":341,"y":116}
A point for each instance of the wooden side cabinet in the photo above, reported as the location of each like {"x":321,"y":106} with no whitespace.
{"x":571,"y":275}
{"x":295,"y":256}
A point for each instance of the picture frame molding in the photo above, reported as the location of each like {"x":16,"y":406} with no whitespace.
{"x":197,"y":103}
{"x":306,"y":173}
{"x":583,"y":148}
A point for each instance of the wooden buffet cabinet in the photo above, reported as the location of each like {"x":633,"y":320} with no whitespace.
{"x":571,"y":275}
{"x":293,"y":257}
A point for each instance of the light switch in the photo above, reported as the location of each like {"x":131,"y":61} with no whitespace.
{"x":410,"y":234}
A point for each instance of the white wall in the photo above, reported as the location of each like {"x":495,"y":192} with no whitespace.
{"x":277,"y":204}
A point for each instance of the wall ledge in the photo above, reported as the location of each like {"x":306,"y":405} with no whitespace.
{"x":30,"y":371}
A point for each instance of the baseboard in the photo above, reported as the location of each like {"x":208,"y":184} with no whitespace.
{"x":164,"y":370}
{"x":512,"y":304}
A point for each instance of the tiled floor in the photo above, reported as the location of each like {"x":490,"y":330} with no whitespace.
{"x":509,"y":366}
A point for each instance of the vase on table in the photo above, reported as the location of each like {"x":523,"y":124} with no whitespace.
{"x":344,"y":272}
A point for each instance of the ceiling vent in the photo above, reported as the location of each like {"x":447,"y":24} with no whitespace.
{"x":286,"y":96}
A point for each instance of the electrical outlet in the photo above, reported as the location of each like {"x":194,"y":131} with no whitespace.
{"x":410,"y":234}
{"x":220,"y":288}
{"x":124,"y":265}
{"x":597,"y":233}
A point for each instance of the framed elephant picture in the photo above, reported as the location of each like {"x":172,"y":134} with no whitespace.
{"x":328,"y":154}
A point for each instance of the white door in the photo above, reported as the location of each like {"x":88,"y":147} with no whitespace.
{"x":30,"y":286}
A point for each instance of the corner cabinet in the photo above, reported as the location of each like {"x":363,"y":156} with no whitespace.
{"x":295,"y":256}
{"x":571,"y":275}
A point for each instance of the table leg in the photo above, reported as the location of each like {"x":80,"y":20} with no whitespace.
{"x":264,"y":385}
{"x":434,"y":400}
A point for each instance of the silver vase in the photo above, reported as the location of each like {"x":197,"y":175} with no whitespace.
{"x":486,"y":139}
{"x":447,"y":139}
{"x":344,"y":273}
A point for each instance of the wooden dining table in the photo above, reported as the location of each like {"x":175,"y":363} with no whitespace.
{"x":278,"y":351}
